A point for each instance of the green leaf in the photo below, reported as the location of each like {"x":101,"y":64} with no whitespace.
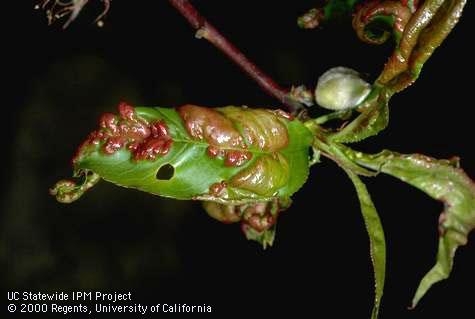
{"x":236,"y":157}
{"x":229,"y":155}
{"x":374,"y":118}
{"x":442,"y":180}
{"x":376,"y":239}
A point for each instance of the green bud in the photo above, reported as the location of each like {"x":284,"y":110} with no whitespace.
{"x":341,"y":88}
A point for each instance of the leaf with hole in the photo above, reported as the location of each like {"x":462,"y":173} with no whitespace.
{"x":230,"y":155}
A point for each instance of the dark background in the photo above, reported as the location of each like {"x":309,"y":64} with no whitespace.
{"x":58,"y":82}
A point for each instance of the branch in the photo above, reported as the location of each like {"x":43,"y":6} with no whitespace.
{"x":210,"y":33}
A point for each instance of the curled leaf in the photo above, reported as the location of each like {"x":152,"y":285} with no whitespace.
{"x":230,"y":155}
{"x":423,"y":33}
{"x":258,"y":219}
{"x":373,"y":17}
{"x":67,"y":191}
{"x":417,"y":39}
{"x":442,"y":180}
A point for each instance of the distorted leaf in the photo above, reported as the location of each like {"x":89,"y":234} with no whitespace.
{"x":229,"y":155}
{"x":442,"y":180}
{"x":258,"y":219}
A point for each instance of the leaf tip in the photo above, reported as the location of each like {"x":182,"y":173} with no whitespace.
{"x":67,"y":191}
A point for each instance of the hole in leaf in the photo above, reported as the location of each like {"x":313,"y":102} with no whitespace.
{"x":165,"y":172}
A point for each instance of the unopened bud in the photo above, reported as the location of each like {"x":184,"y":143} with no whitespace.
{"x":341,"y":88}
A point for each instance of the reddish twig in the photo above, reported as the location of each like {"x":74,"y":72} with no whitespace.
{"x":210,"y":33}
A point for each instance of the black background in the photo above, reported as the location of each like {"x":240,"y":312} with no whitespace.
{"x":58,"y":82}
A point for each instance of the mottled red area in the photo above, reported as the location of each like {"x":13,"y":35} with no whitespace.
{"x":158,"y":143}
{"x":126,"y":111}
{"x":217,"y":189}
{"x":258,"y":217}
{"x":218,"y":131}
{"x":108,"y":120}
{"x":231,"y":157}
{"x":213,"y":151}
{"x":145,"y":141}
{"x":260,"y":223}
{"x":236,"y":158}
{"x":113,"y":144}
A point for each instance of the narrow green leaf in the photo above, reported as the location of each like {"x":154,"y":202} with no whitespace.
{"x":376,"y":239}
{"x":442,"y":180}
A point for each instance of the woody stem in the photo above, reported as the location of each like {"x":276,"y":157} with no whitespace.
{"x":207,"y":31}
